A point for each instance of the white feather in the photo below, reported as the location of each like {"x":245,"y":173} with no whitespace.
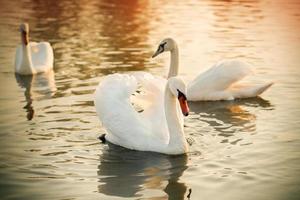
{"x":33,"y":58}
{"x":126,"y":126}
{"x":219,"y":82}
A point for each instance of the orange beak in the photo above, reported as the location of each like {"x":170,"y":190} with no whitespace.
{"x":183,"y":105}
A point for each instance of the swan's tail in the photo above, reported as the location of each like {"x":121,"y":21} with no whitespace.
{"x":247,"y":91}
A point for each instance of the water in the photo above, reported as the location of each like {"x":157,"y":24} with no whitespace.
{"x":243,"y":149}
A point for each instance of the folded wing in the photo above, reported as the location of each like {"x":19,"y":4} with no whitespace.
{"x":114,"y":102}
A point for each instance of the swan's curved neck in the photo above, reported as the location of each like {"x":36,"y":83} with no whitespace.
{"x":173,"y":70}
{"x":24,"y":38}
{"x":26,"y":62}
{"x":177,"y":143}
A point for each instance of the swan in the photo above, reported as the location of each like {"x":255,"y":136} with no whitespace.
{"x":32,"y":57}
{"x":219,"y":82}
{"x":159,"y":127}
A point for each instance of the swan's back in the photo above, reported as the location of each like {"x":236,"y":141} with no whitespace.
{"x":221,"y":75}
{"x":42,"y":56}
{"x":212,"y":84}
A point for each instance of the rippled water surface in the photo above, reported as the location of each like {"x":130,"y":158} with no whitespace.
{"x":242,"y":149}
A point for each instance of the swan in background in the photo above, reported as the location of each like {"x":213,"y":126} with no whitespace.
{"x":32,"y":57}
{"x":159,"y":127}
{"x":220,"y":82}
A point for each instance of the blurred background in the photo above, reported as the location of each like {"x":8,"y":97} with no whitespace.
{"x":242,"y":149}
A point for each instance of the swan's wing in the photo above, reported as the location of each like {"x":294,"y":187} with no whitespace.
{"x":249,"y":90}
{"x":42,"y":56}
{"x":151,"y":99}
{"x":150,"y":94}
{"x":125,"y":126}
{"x":211,"y":84}
{"x":223,"y":74}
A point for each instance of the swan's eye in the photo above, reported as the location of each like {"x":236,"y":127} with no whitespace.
{"x":161,"y":48}
{"x":162,"y":45}
{"x":181,"y":95}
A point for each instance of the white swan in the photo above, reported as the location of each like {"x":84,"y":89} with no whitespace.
{"x":220,"y":82}
{"x":159,"y":128}
{"x":32,"y":57}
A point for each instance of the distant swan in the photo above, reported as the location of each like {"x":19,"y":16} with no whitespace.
{"x":220,"y":82}
{"x":32,"y":57}
{"x":159,"y":127}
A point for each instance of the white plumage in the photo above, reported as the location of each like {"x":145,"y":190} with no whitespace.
{"x":220,"y":82}
{"x":32,"y":57}
{"x":147,"y":130}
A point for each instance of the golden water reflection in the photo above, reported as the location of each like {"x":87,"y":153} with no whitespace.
{"x":36,"y":87}
{"x":241,"y":144}
{"x":125,"y":173}
{"x":228,"y":117}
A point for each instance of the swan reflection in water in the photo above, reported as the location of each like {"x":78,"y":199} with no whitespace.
{"x":228,"y":116}
{"x":124,"y":173}
{"x":36,"y":87}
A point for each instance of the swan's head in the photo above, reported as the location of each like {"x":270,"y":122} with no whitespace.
{"x":167,"y":44}
{"x":24,"y":28}
{"x":178,"y":89}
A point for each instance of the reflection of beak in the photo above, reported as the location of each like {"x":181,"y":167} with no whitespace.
{"x":183,"y":105}
{"x":158,"y":51}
